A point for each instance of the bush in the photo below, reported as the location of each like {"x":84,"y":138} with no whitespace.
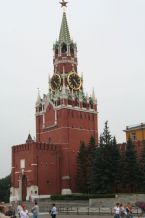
{"x":81,"y":196}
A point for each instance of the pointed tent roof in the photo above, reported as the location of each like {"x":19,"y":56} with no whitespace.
{"x":38,"y":101}
{"x":64,"y":35}
{"x":29,"y":139}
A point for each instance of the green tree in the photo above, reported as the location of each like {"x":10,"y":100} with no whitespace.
{"x":115,"y":160}
{"x":85,"y":161}
{"x":5,"y":189}
{"x":105,"y":137}
{"x":82,"y":169}
{"x":142,"y":167}
{"x":131,"y":170}
{"x":91,"y":153}
{"x":105,"y":175}
{"x":98,"y":179}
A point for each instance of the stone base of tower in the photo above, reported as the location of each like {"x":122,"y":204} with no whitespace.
{"x":66,"y":185}
{"x":66,"y":192}
{"x":16,"y":194}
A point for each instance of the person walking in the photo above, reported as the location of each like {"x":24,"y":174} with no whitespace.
{"x":129,"y":210}
{"x":116,"y":210}
{"x":123,"y":212}
{"x":35,"y":210}
{"x":53,"y":211}
{"x":18,"y":209}
{"x":23,"y":213}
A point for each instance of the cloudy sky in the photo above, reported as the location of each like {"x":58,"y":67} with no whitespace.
{"x":110,"y":35}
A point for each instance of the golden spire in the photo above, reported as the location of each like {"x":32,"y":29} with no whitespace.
{"x":63,"y":3}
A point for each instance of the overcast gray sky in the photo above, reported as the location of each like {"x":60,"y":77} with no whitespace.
{"x":110,"y":35}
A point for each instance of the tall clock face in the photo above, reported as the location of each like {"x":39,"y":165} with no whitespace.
{"x":74,"y":81}
{"x":55,"y":82}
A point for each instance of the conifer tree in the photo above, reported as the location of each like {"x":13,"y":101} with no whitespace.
{"x":115,"y":165}
{"x":105,"y":137}
{"x":82,"y":169}
{"x":131,"y":170}
{"x":91,"y":153}
{"x":105,"y":176}
{"x":5,"y":189}
{"x":98,"y":179}
{"x":142,"y":167}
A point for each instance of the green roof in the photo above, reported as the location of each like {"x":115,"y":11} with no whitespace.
{"x":64,"y":35}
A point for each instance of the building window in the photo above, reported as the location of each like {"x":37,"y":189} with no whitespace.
{"x":133,"y":136}
{"x":49,"y":140}
{"x":22,"y":163}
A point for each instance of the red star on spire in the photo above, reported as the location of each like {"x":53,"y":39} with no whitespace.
{"x":63,"y":3}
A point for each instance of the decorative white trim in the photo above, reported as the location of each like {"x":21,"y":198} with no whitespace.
{"x":27,"y":171}
{"x":66,"y":191}
{"x":65,"y":61}
{"x":65,"y":177}
{"x":77,"y":109}
{"x":66,"y":128}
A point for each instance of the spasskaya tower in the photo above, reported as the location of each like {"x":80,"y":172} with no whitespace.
{"x":65,"y":116}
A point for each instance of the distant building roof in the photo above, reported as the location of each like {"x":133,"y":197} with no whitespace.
{"x":29,"y":139}
{"x":134,"y":127}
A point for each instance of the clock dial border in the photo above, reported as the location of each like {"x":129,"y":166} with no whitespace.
{"x":56,"y":78}
{"x":74,"y":81}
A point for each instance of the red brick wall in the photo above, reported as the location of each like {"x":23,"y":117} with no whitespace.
{"x":73,"y":126}
{"x":54,"y":157}
{"x":43,"y":161}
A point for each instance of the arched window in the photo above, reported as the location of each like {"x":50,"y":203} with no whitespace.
{"x":72,"y":50}
{"x":64,"y":48}
{"x":84,"y":102}
{"x":58,"y":101}
{"x":69,"y":100}
{"x":91,"y":102}
{"x":49,"y":140}
{"x":76,"y":102}
{"x":56,"y":50}
{"x":40,"y":107}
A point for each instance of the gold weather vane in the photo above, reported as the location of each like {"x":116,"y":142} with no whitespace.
{"x":63,"y":3}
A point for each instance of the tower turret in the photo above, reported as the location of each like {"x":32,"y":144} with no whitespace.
{"x":65,"y":50}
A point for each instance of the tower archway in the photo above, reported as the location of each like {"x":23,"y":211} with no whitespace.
{"x":24,"y":187}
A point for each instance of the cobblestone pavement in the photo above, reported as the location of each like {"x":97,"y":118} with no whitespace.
{"x":75,"y":216}
{"x":78,"y":216}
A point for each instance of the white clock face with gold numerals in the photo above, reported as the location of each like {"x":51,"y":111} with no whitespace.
{"x":74,"y":81}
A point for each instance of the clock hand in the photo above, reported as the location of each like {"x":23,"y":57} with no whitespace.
{"x":75,"y":81}
{"x":55,"y":83}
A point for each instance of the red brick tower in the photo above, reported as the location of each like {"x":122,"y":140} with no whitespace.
{"x":65,"y":116}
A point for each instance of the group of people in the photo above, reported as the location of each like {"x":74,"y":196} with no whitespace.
{"x":125,"y":211}
{"x":121,"y":211}
{"x":23,"y":212}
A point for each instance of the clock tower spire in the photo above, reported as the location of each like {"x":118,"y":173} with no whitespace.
{"x":65,"y":50}
{"x":66,"y":115}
